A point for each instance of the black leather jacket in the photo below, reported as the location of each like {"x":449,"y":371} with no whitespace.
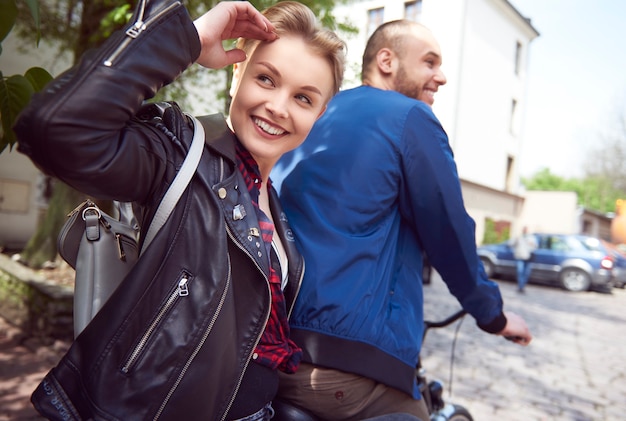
{"x":151,"y":353}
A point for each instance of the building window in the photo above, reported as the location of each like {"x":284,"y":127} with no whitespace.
{"x":513,"y":122}
{"x":375,"y":18}
{"x":587,"y":227}
{"x":518,"y":57}
{"x":14,"y":196}
{"x":510,"y":167}
{"x":413,"y":10}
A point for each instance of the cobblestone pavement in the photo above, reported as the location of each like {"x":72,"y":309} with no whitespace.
{"x":574,"y":370}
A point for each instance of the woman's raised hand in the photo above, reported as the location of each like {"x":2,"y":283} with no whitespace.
{"x":228,"y":20}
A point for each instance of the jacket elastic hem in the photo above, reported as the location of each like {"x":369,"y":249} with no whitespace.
{"x":339,"y":353}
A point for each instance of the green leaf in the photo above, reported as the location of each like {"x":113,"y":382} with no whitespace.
{"x":115,"y":18}
{"x":33,"y":5}
{"x":8,"y":14}
{"x":38,"y":78}
{"x":15,"y":93}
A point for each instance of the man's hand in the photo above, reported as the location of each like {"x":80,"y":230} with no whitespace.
{"x":228,"y":20}
{"x":516,"y":329}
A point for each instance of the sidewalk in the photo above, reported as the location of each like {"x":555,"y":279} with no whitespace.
{"x":573,"y":370}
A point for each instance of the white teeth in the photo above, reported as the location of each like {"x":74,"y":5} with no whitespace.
{"x":268,"y":128}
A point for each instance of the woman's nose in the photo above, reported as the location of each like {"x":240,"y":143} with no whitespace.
{"x":278,"y":106}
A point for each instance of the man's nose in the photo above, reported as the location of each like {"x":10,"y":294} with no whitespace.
{"x":440,"y":77}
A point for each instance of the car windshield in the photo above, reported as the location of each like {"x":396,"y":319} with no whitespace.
{"x":592,"y":244}
{"x":570,"y":243}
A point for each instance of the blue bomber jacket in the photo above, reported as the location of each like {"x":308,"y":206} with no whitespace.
{"x":373,"y":187}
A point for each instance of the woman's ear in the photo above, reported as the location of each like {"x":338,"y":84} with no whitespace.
{"x":234,"y":82}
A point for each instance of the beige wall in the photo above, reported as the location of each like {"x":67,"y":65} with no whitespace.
{"x":541,"y":211}
{"x":551,"y":211}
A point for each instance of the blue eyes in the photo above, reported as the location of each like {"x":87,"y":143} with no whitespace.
{"x":266,"y":80}
{"x":304,"y":98}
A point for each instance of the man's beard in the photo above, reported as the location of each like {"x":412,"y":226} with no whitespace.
{"x":405,"y":85}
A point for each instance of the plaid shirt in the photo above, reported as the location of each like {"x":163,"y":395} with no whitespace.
{"x":275,"y":349}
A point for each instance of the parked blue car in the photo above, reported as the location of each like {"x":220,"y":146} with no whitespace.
{"x":574,"y":262}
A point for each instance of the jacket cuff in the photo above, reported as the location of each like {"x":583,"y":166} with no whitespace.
{"x":494,"y":326}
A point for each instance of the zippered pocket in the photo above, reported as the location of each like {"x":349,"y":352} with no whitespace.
{"x":207,"y":331}
{"x":135,"y":31}
{"x":179,"y":292}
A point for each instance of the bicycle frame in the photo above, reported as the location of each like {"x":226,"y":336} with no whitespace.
{"x":432,"y":391}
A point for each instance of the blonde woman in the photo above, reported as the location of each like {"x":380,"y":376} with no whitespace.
{"x":214,"y":352}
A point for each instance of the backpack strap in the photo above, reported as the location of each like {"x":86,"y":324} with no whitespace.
{"x":180,"y":183}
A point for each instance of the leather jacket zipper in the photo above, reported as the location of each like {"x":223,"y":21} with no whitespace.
{"x":208,"y":330}
{"x":136,"y":29}
{"x":295,"y":297}
{"x":181,"y":290}
{"x":267,"y":316}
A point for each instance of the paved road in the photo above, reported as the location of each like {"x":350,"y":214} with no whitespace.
{"x":575,"y":369}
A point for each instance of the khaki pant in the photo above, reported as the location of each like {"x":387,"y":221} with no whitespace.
{"x":335,"y":395}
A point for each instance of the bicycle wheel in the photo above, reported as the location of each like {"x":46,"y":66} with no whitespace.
{"x":460,"y":414}
{"x":452,"y":413}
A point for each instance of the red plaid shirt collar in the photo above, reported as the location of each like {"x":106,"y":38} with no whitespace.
{"x":275,"y":349}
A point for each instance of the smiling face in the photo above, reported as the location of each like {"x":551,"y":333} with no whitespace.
{"x":419,"y":72}
{"x":278,"y":93}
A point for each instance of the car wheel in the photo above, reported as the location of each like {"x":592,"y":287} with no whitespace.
{"x":575,"y":280}
{"x":489,"y":269}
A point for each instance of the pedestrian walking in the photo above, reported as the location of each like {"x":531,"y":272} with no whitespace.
{"x":523,"y":247}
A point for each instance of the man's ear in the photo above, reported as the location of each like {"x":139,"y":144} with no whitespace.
{"x":386,"y":61}
{"x":234,"y":82}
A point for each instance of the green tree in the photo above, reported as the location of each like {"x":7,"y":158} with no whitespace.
{"x":606,"y":159}
{"x":544,"y":180}
{"x":595,"y":192}
{"x":496,"y":231}
{"x":16,"y":90}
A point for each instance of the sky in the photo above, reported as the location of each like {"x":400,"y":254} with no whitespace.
{"x":577,"y":81}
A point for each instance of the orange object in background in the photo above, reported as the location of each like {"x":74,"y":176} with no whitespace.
{"x":618,"y":224}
